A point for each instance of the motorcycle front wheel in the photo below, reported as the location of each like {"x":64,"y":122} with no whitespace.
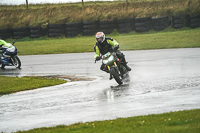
{"x":2,"y":66}
{"x":16,"y":61}
{"x":116,"y":75}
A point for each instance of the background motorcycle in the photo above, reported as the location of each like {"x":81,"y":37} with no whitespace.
{"x":9,"y":58}
{"x":115,"y":67}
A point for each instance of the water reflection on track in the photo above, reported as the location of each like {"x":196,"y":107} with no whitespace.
{"x":161,"y":81}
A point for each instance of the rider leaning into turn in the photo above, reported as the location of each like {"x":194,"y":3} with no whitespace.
{"x":5,"y":45}
{"x":104,"y":45}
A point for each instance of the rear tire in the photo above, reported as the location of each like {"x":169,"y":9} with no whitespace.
{"x":124,"y":74}
{"x":116,"y":76}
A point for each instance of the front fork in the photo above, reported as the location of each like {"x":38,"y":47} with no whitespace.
{"x":13,"y":61}
{"x":109,"y":66}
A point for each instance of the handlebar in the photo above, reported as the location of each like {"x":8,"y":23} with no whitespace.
{"x":103,"y":57}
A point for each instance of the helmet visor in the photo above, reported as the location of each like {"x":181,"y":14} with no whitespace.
{"x":100,"y":39}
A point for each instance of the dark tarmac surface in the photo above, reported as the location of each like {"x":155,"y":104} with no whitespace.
{"x":161,"y":81}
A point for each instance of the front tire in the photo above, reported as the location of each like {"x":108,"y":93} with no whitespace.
{"x":16,"y":61}
{"x":2,"y":66}
{"x":116,"y":75}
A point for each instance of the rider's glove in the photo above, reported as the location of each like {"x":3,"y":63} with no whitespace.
{"x":116,"y":47}
{"x":98,"y":58}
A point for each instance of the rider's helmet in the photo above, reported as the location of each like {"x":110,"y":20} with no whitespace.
{"x":100,"y":37}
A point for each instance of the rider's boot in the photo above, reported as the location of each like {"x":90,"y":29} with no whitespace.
{"x":104,"y":68}
{"x":127,"y":67}
{"x":125,"y":63}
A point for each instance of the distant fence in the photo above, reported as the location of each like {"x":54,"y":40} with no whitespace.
{"x":89,"y":28}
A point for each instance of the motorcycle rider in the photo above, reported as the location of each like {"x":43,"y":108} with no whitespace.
{"x":8,"y":46}
{"x":104,"y":45}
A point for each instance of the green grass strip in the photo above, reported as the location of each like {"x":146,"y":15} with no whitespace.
{"x":15,"y":84}
{"x":170,"y":38}
{"x":187,"y":121}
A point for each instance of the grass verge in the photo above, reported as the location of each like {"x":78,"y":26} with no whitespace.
{"x":15,"y":84}
{"x":187,"y":121}
{"x":170,"y":38}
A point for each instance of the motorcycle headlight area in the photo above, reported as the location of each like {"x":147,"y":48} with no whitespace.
{"x":12,"y":49}
{"x":109,"y":59}
{"x":105,"y":61}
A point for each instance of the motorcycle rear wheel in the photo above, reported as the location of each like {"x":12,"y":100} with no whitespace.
{"x":116,"y":75}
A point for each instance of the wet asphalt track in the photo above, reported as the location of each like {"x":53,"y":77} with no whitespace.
{"x":161,"y":81}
